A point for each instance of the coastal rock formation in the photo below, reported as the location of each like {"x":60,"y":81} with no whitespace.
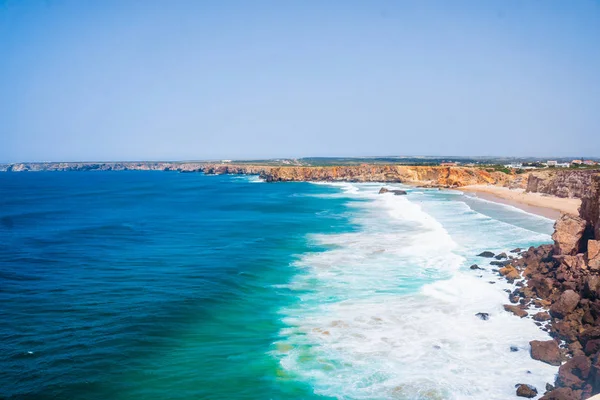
{"x":564,"y":278}
{"x":423,"y":175}
{"x":590,"y":206}
{"x":561,"y":183}
{"x":546,"y":351}
{"x":524,"y":390}
{"x":568,"y":233}
{"x":394,"y":191}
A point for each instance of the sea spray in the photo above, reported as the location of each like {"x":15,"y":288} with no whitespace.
{"x":389,"y":310}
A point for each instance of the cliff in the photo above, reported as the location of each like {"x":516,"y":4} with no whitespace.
{"x":561,"y":183}
{"x":421,"y":175}
{"x":590,"y":206}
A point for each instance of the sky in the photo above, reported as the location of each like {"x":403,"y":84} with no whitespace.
{"x":132,"y":80}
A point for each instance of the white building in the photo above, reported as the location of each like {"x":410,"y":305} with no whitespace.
{"x":514,"y":165}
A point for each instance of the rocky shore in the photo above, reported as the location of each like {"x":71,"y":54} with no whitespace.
{"x":559,"y":285}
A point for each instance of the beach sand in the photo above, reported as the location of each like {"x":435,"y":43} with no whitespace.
{"x":536,"y":203}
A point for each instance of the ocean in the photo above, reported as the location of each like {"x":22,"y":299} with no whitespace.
{"x":163,"y":285}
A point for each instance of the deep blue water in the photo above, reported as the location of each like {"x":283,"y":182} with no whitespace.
{"x":159,"y":285}
{"x":147,"y":284}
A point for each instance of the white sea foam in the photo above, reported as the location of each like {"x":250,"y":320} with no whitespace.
{"x":388,"y":311}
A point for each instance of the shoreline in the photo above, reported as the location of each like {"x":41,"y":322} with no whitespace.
{"x":536,"y":203}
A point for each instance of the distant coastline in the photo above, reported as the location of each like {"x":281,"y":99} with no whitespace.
{"x":544,"y":192}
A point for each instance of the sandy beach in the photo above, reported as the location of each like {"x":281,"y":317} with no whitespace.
{"x":537,"y":203}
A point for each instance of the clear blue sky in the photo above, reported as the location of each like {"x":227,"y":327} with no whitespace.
{"x":175,"y":80}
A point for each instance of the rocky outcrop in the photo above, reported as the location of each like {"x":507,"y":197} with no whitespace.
{"x":561,"y":183}
{"x":590,"y":207}
{"x":568,"y":234}
{"x":421,"y":175}
{"x":393,"y":191}
{"x":546,"y":351}
{"x":564,"y":278}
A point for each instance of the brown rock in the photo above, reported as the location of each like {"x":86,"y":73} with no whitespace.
{"x":562,"y":394}
{"x":574,"y":262}
{"x":574,"y":372}
{"x":592,"y":346}
{"x":546,"y":351}
{"x":593,"y":254}
{"x":590,"y":286}
{"x":509,"y":272}
{"x":566,"y":303}
{"x":568,"y":232}
{"x":519,"y":312}
{"x":524,"y":390}
{"x":541,"y":316}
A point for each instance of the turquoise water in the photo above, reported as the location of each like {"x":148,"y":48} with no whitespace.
{"x":154,"y":285}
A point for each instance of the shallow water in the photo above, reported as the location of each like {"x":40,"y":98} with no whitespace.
{"x":158,"y":285}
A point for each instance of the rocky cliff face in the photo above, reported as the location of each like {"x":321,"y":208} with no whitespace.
{"x":435,"y":176}
{"x":590,"y":206}
{"x":561,"y":183}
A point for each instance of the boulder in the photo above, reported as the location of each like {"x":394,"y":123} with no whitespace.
{"x":593,"y":254}
{"x":475,"y":266}
{"x":395,"y":191}
{"x":546,"y":351}
{"x":483,"y":315}
{"x":519,"y":312}
{"x":509,"y":272}
{"x":591,"y":285}
{"x":576,"y":262}
{"x":524,"y":390}
{"x":562,"y":394}
{"x":566,"y":303}
{"x":486,"y":254}
{"x":592,"y":347}
{"x":574,"y":372}
{"x":568,"y":232}
{"x":541,"y":316}
{"x":517,"y":250}
{"x":501,"y":256}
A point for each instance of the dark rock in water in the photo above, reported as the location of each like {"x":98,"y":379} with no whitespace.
{"x":507,"y":290}
{"x":500,"y":263}
{"x":395,"y":191}
{"x":475,"y":266}
{"x":514,"y":349}
{"x":546,"y":351}
{"x":486,"y":254}
{"x":483,"y":315}
{"x":501,"y":256}
{"x":541,"y":316}
{"x":517,"y":250}
{"x":549,"y":387}
{"x":524,"y":390}
{"x":518,"y":311}
{"x":492,"y":282}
